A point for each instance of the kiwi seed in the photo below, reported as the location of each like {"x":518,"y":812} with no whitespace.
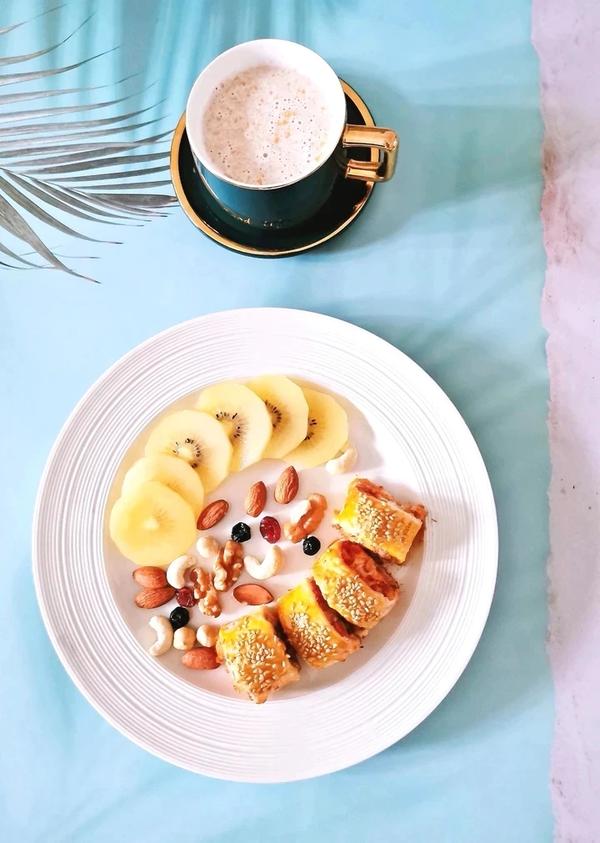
{"x":238,"y":426}
{"x":311,"y":423}
{"x":187,"y":442}
{"x":276,"y":414}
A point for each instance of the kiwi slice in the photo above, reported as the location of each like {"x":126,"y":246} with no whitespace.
{"x":198,"y":439}
{"x":288,"y":409}
{"x":327,"y":431}
{"x":152,"y":524}
{"x":242,"y":416}
{"x":175,"y":473}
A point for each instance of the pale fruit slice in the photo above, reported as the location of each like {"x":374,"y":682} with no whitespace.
{"x":327,"y":431}
{"x":152,"y":524}
{"x":196,"y":438}
{"x":288,"y":409}
{"x":173,"y":472}
{"x":244,"y":418}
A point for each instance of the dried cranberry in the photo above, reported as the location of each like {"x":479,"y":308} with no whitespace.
{"x":270,"y":529}
{"x":185,"y":597}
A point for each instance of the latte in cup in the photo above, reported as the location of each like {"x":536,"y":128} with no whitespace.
{"x":267,"y":125}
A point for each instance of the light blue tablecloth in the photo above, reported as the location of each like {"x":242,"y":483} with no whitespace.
{"x":447,"y":264}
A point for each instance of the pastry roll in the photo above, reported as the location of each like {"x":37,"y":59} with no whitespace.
{"x":316,"y":632}
{"x":380,"y":523}
{"x":353,"y":584}
{"x":255,"y":655}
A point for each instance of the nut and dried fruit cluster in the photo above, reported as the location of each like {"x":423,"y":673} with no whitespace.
{"x":193,"y":585}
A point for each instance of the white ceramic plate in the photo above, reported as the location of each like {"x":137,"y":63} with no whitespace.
{"x":409,"y":436}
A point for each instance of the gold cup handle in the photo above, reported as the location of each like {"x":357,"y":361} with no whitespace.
{"x":375,"y":137}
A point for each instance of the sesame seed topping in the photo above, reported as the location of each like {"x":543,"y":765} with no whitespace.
{"x":312,"y":639}
{"x":358,"y":606}
{"x":255,"y":657}
{"x":379,"y":523}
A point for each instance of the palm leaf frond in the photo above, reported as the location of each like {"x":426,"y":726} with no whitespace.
{"x":14,"y":222}
{"x":29,"y":76}
{"x":42,"y":138}
{"x":29,"y":56}
{"x":69,"y":205}
{"x":57,"y":163}
{"x":5,"y":29}
{"x":9,"y":252}
{"x":115,"y":174}
{"x":76,"y":151}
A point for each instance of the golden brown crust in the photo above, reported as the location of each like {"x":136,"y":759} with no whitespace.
{"x":375,"y":519}
{"x":353,"y":584}
{"x":314,"y":629}
{"x":255,"y":656}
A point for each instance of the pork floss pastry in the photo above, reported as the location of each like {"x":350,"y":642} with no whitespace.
{"x":354,"y":584}
{"x":317,"y":632}
{"x":256,"y":656}
{"x":374,"y":518}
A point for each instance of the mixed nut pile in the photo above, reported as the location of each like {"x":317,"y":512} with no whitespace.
{"x":191,"y":584}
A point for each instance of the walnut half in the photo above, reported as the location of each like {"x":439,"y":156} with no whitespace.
{"x":228,"y":565}
{"x":310,"y":516}
{"x":206,"y":594}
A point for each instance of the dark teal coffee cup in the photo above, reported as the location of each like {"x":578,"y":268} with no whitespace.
{"x":283,"y":205}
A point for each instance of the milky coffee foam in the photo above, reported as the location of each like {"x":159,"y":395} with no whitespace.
{"x":266,"y":125}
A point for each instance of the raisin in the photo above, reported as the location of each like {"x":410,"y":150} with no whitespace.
{"x":240,"y":532}
{"x":311,"y":545}
{"x":179,"y":617}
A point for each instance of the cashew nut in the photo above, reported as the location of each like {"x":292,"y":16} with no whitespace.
{"x":176,"y":570}
{"x":268,"y":567}
{"x":207,"y":547}
{"x":184,"y":638}
{"x":206,"y":635}
{"x":345,"y":462}
{"x":164,"y":635}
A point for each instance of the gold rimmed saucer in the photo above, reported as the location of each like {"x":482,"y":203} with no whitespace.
{"x":347,"y":200}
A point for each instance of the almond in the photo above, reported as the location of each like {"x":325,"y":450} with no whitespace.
{"x":286,"y":487}
{"x":252,"y":594}
{"x":201,"y":658}
{"x":256,"y":499}
{"x":150,"y":577}
{"x":151,"y":598}
{"x":212,"y":514}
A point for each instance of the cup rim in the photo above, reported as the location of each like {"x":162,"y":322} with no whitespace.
{"x":196,"y":87}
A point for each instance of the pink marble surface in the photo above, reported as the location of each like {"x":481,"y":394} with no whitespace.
{"x":566,"y":34}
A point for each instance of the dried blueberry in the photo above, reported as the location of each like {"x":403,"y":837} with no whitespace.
{"x":179,"y":617}
{"x":240,"y":532}
{"x":311,"y":545}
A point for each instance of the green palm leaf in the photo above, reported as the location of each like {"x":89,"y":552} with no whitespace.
{"x":55,"y":162}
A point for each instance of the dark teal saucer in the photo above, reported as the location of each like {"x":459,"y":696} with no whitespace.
{"x":347,"y":200}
